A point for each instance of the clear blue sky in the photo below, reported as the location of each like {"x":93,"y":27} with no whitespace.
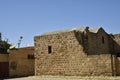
{"x":29,"y":18}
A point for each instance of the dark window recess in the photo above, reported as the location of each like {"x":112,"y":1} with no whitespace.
{"x":49,"y":49}
{"x":86,"y":37}
{"x":31,"y":56}
{"x":118,"y":54}
{"x":103,"y":40}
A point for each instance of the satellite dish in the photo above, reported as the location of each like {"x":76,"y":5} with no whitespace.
{"x":12,"y":46}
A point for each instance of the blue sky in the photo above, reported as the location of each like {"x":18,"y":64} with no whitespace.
{"x":29,"y":18}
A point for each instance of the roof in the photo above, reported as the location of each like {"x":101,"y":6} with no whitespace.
{"x":94,"y":30}
{"x":81,"y":29}
{"x":29,"y":47}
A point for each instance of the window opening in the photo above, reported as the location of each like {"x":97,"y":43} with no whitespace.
{"x":103,"y":40}
{"x":49,"y":49}
{"x":31,"y":56}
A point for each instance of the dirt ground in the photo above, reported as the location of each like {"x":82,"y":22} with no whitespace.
{"x":65,"y":78}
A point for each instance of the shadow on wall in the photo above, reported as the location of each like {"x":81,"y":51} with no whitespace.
{"x":115,"y":44}
{"x":116,"y":49}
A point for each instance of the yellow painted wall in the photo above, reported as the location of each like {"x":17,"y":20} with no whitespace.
{"x":19,"y":64}
{"x":4,"y":57}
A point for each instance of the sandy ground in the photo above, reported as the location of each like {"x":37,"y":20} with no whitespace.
{"x":65,"y":78}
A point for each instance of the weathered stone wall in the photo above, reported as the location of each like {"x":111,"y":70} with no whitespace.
{"x":19,"y":64}
{"x":98,"y":43}
{"x":118,"y":66}
{"x":67,"y":56}
{"x":4,"y":57}
{"x":116,"y":48}
{"x":116,"y":51}
{"x":117,"y":43}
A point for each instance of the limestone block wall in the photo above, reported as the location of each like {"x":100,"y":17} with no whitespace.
{"x":19,"y":63}
{"x":98,"y":43}
{"x":118,"y":66}
{"x":117,"y":43}
{"x":4,"y":57}
{"x":116,"y":48}
{"x":67,"y":57}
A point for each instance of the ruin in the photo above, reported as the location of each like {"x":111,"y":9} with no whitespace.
{"x":80,"y":51}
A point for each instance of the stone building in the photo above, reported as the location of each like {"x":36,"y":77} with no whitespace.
{"x":80,"y":51}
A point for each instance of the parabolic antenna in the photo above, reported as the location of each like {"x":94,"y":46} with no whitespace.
{"x":12,"y":46}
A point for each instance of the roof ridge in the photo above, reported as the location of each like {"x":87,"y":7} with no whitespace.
{"x":81,"y":29}
{"x":95,"y":30}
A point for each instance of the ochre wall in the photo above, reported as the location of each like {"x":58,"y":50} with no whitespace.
{"x":19,"y":64}
{"x":4,"y":57}
{"x":68,"y":57}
